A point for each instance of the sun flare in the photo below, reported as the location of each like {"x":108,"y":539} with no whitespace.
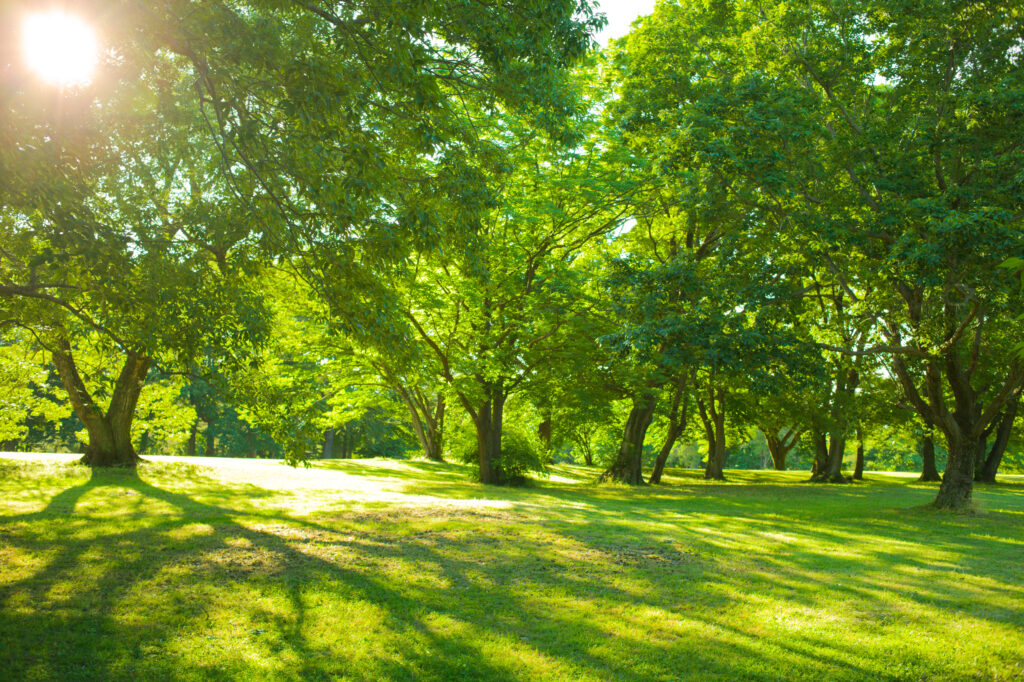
{"x":60,"y":48}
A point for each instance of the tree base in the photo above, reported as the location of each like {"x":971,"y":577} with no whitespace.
{"x":110,"y":459}
{"x":929,"y":478}
{"x":830,"y":478}
{"x":622,"y":474}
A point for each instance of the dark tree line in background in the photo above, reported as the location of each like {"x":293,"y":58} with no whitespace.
{"x":748,"y":234}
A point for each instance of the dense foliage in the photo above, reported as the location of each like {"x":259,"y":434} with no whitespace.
{"x":750,"y":234}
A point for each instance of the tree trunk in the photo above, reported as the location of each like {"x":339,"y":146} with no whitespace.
{"x":779,"y":446}
{"x":987,"y":473}
{"x":929,"y":473}
{"x":677,"y":418}
{"x":628,"y":464}
{"x":674,"y":431}
{"x":820,"y":464}
{"x":544,"y":431}
{"x":190,"y":449}
{"x":488,"y":421}
{"x":429,"y":427}
{"x":858,"y":468}
{"x":778,"y":455}
{"x":715,"y":469}
{"x":958,"y":481}
{"x":211,"y":440}
{"x":328,"y":449}
{"x":110,"y":434}
{"x":712,"y":414}
{"x":832,"y":469}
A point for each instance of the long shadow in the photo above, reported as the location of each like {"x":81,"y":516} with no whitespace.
{"x":84,"y":612}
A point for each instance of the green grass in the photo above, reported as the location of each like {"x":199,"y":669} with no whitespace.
{"x":403,"y":570}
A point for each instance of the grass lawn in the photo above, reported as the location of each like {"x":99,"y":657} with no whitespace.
{"x":369,"y":569}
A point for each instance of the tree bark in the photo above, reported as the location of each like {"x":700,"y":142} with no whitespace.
{"x":712,"y":414}
{"x":987,"y":473}
{"x":958,"y":481}
{"x":427,"y":423}
{"x":929,"y":473}
{"x":677,"y":418}
{"x":858,"y":468}
{"x":488,"y":421}
{"x":190,"y":449}
{"x":110,"y":434}
{"x":628,"y":464}
{"x":779,"y":446}
{"x":820,"y":464}
{"x":211,"y":440}
{"x":328,"y":450}
{"x":832,"y":469}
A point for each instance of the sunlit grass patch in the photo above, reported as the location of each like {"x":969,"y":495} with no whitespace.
{"x":405,"y":570}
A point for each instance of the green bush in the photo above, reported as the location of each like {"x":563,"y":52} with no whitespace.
{"x":520,"y":456}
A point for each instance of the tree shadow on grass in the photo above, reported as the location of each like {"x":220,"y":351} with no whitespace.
{"x":137,"y":580}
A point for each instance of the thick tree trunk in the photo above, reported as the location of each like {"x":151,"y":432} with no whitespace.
{"x":544,"y":431}
{"x":488,"y":437}
{"x":820,"y":465}
{"x":779,"y":446}
{"x":988,"y":470}
{"x":715,"y":469}
{"x":778,"y":455}
{"x":110,"y":434}
{"x":929,"y":473}
{"x":328,"y":450}
{"x":628,"y":464}
{"x":832,"y":469}
{"x":958,"y":481}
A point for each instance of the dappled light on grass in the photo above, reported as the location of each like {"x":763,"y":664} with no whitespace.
{"x":191,"y":571}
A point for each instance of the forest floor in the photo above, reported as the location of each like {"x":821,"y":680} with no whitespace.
{"x":379,"y":570}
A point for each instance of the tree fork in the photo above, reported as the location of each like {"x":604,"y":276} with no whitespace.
{"x":110,"y":434}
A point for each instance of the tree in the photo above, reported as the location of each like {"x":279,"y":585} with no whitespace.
{"x":891,"y":131}
{"x":127,"y":235}
{"x":502,"y":314}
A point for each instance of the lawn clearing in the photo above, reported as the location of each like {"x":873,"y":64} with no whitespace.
{"x":377,"y":569}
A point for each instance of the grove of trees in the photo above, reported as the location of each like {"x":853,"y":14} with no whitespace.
{"x":750,"y":233}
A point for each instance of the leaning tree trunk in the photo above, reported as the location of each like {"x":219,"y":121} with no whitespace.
{"x":778,"y":454}
{"x":110,"y":434}
{"x":929,"y":472}
{"x":628,"y":464}
{"x":987,"y":471}
{"x":677,"y":418}
{"x":674,"y":431}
